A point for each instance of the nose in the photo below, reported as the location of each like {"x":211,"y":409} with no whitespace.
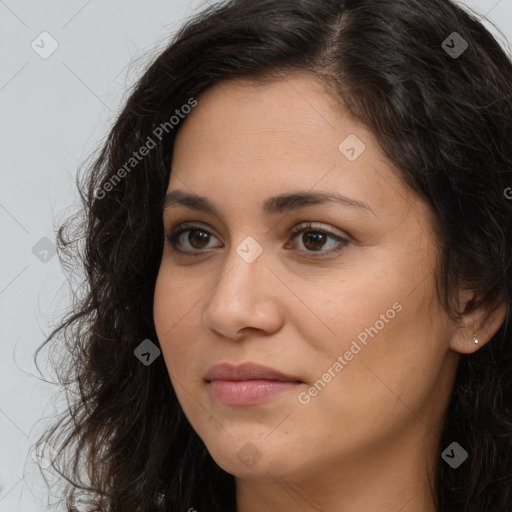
{"x":244,"y":299}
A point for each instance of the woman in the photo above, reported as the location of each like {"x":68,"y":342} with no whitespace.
{"x":298,"y":246}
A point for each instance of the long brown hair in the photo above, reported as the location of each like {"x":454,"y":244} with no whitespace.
{"x":444,"y":120}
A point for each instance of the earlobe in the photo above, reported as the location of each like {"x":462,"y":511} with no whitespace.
{"x":477,"y":327}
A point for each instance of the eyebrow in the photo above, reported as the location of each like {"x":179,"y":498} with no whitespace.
{"x":273,"y":205}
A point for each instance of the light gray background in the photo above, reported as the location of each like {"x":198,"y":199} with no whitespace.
{"x":53,"y":113}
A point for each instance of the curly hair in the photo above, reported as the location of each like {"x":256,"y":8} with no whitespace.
{"x":444,"y":121}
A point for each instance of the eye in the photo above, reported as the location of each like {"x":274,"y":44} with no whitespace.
{"x":197,"y":238}
{"x":315,"y":239}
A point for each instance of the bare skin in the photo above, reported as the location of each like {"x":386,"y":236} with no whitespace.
{"x":366,"y":440}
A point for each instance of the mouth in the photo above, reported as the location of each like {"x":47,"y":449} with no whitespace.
{"x":248,"y":383}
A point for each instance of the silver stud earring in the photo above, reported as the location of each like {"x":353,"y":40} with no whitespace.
{"x":475,"y":339}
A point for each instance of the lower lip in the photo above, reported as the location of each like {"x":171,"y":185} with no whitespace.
{"x":248,"y":392}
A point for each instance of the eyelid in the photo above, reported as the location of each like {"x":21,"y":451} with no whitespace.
{"x":315,"y":226}
{"x":183,"y":226}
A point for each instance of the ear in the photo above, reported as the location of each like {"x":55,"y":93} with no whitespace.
{"x":478,"y":318}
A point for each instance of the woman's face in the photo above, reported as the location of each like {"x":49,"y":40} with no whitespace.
{"x":353,"y":321}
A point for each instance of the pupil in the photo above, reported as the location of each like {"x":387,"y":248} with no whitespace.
{"x":317,"y":238}
{"x":198,"y":236}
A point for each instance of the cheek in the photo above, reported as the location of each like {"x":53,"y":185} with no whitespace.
{"x":387,"y":384}
{"x":389,"y":329}
{"x":175,"y":312}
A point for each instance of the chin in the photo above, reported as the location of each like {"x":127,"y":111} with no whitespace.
{"x":256,"y":459}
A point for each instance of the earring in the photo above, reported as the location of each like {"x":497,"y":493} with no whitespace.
{"x":475,"y":339}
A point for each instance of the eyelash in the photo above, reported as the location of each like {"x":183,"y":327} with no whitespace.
{"x":173,"y":238}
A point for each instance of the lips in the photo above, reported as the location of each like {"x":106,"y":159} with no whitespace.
{"x":245,"y":372}
{"x":248,"y":384}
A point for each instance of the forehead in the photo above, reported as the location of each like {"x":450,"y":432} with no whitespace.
{"x":246,"y":141}
{"x":295,"y":111}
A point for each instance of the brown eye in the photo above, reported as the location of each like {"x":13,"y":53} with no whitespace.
{"x":314,"y":240}
{"x":189,"y":238}
{"x":193,"y":240}
{"x":197,"y":239}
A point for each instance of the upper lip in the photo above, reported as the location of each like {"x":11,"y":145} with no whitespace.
{"x":246,"y":371}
